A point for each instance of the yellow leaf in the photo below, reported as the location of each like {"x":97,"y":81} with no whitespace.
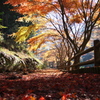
{"x":23,"y":33}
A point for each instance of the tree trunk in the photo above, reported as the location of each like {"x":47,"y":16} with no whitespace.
{"x":76,"y":61}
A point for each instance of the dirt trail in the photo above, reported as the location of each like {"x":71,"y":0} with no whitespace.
{"x":48,"y":71}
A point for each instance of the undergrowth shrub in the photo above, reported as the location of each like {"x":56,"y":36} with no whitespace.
{"x":10,"y":63}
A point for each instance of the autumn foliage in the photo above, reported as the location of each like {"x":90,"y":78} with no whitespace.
{"x":31,"y":6}
{"x":70,"y":16}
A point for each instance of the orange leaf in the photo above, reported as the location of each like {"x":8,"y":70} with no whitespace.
{"x":97,"y":99}
{"x":32,"y":98}
{"x":28,"y":98}
{"x":42,"y":98}
{"x":63,"y":97}
{"x":73,"y":95}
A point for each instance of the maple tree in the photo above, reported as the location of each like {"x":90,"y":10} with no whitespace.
{"x":74,"y":20}
{"x":77,"y":15}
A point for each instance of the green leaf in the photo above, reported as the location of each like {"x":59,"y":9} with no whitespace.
{"x":2,"y":27}
{"x":0,"y":19}
{"x":1,"y":13}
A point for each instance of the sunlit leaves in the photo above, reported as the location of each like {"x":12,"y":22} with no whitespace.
{"x":72,"y":7}
{"x":23,"y":33}
{"x":2,"y":27}
{"x":34,"y":6}
{"x":15,"y":3}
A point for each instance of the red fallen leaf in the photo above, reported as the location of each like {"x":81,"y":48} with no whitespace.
{"x":73,"y":95}
{"x":29,"y":91}
{"x":63,"y":97}
{"x":68,"y":95}
{"x":1,"y":98}
{"x":4,"y":87}
{"x":42,"y":98}
{"x":61,"y":93}
{"x":97,"y":99}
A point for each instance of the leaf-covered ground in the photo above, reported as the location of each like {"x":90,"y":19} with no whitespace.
{"x":49,"y":85}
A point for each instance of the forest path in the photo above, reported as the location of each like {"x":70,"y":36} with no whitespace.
{"x":44,"y":73}
{"x":51,"y":84}
{"x":49,"y":70}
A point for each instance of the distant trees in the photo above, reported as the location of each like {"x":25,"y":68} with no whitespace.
{"x":62,"y":51}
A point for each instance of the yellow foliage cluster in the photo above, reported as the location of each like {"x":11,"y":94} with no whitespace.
{"x":23,"y":33}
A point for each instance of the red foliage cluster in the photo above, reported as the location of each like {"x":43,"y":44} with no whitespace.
{"x":50,"y":86}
